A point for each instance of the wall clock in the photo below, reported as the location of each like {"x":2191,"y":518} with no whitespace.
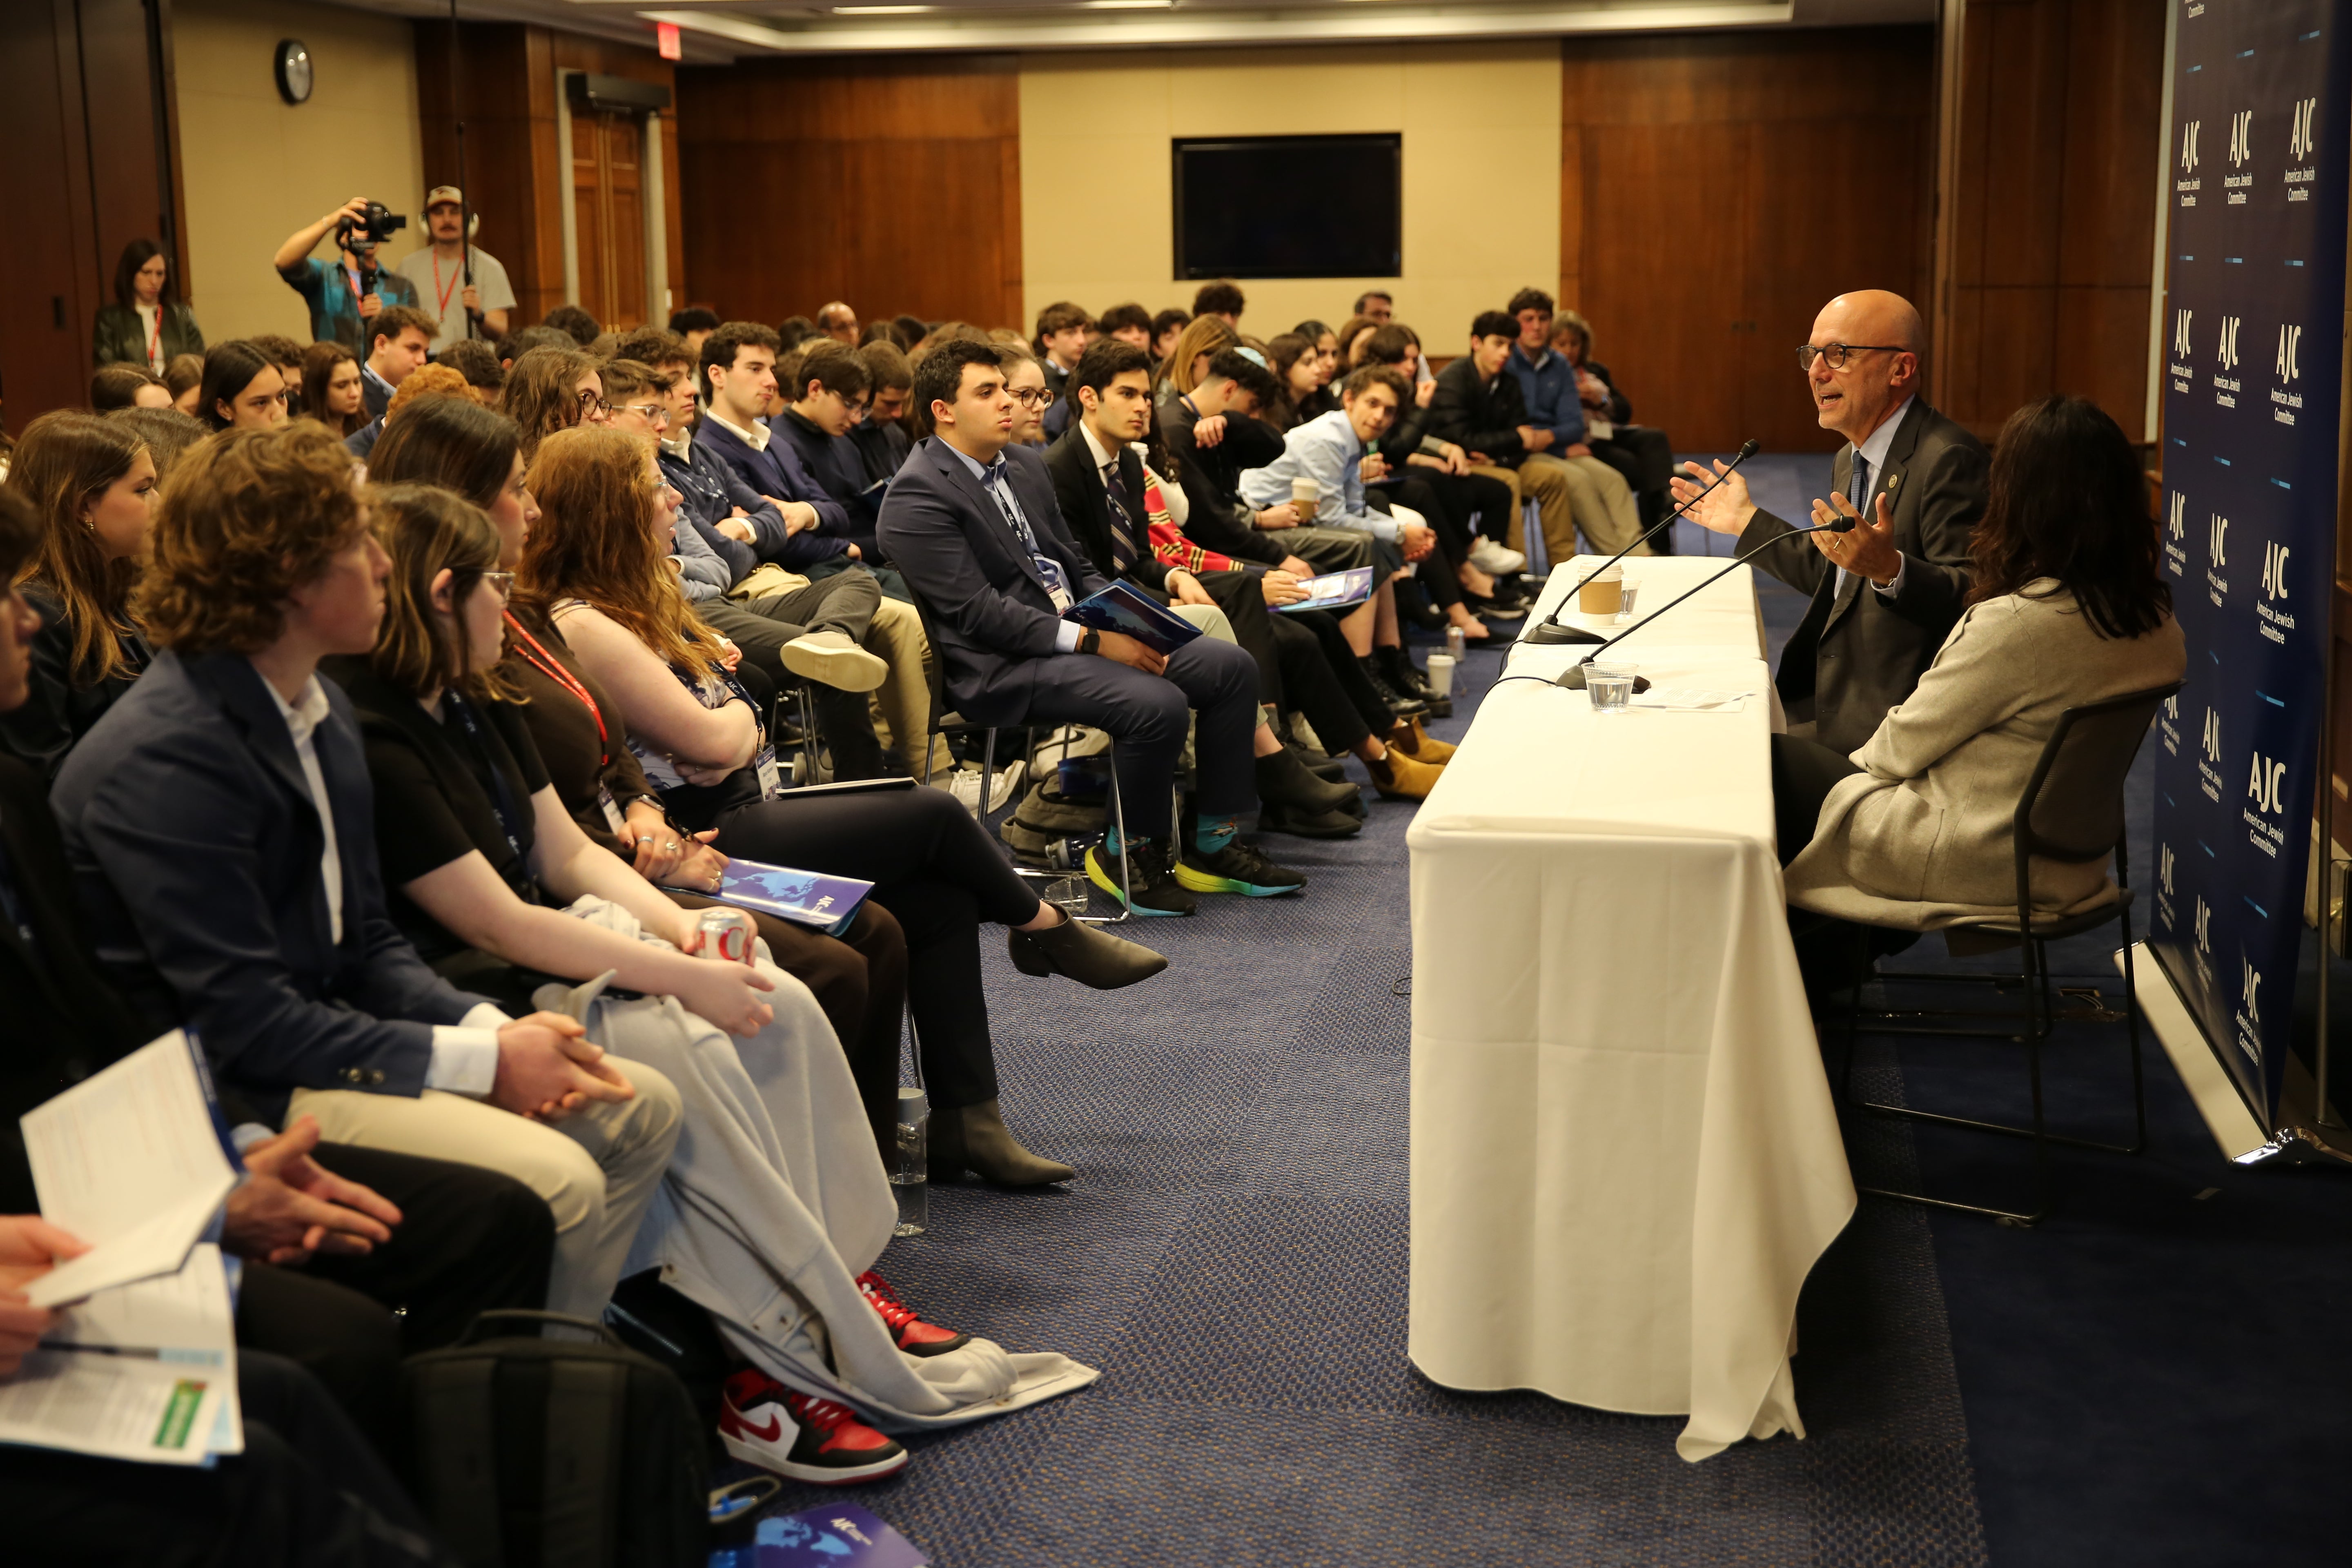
{"x":293,"y":66}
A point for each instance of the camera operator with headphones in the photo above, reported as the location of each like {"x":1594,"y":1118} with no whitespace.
{"x":343,"y":298}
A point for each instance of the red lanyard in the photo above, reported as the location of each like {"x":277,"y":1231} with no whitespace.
{"x":546,"y":664}
{"x":437,"y":284}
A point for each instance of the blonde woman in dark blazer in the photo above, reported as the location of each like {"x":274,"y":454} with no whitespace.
{"x":2067,"y":607}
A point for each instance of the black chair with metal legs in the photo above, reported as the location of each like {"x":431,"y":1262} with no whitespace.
{"x":943,"y":722}
{"x":2071,"y":811}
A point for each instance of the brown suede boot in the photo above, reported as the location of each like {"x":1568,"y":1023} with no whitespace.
{"x":1416,"y":743}
{"x":1400,"y":777}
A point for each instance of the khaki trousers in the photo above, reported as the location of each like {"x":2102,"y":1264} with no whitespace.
{"x":598,"y":1168}
{"x":1571,"y":493}
{"x":902,"y":706}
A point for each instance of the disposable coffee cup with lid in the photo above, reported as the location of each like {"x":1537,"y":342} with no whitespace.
{"x":1306,"y":494}
{"x":1601,"y":595}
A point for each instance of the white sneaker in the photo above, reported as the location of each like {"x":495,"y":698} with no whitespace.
{"x":964,"y":784}
{"x":830,"y":658}
{"x":1493,"y":559}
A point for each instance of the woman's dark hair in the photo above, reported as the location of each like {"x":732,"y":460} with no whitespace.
{"x":136,"y":254}
{"x":229,"y":368}
{"x":911,"y":330}
{"x":116,"y":385}
{"x":2069,"y":501}
{"x":1313,"y":331}
{"x":452,"y":442}
{"x":572,"y":319}
{"x":319,"y":362}
{"x":426,"y":531}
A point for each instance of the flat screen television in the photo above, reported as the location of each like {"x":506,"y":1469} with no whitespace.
{"x":1289,"y":207}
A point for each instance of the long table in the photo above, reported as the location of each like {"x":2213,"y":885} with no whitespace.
{"x":1625,"y":1157}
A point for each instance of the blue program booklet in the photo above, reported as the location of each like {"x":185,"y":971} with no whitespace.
{"x":804,"y":897}
{"x":839,"y":1535}
{"x":1334,"y":589}
{"x":1121,"y":607}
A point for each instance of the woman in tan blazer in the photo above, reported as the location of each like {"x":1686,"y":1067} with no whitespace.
{"x":2068,"y":607}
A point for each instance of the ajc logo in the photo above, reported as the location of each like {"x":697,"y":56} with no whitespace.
{"x":2189,"y":146}
{"x":2180,"y":333}
{"x":2179,"y":523}
{"x":2212,"y":736}
{"x":2229,"y":341}
{"x":2219,"y":539}
{"x":2299,"y":143}
{"x":2264,"y":786}
{"x":2253,"y":983}
{"x":2164,"y":868}
{"x":2275,"y":570}
{"x":2204,"y":918}
{"x":2242,"y":136}
{"x":2289,"y":366}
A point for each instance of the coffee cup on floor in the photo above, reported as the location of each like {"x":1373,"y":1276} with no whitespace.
{"x":1307,"y":495}
{"x":1604,"y":594}
{"x":1441,"y":674}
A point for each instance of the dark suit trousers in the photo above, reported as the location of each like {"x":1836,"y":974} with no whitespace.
{"x":934,"y":869}
{"x":306,"y":1493}
{"x":469,"y":1240}
{"x":1147,"y":716}
{"x":1297,"y":667}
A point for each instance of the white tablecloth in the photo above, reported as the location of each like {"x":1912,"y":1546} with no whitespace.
{"x":1625,"y":1157}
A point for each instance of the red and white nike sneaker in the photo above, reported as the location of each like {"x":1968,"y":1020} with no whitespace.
{"x":798,"y":1434}
{"x":914,"y":1336}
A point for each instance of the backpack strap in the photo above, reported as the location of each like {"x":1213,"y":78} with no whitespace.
{"x":587,"y":1402}
{"x":460,"y":1468}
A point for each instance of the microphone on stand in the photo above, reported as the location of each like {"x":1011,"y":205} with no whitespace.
{"x":1549,"y":631}
{"x":1572,"y":677}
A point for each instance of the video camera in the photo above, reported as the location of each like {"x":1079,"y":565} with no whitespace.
{"x":380,"y":225}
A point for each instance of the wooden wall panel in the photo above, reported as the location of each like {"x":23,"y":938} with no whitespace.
{"x":891,"y":183}
{"x":1716,"y":189}
{"x":2051,"y":196}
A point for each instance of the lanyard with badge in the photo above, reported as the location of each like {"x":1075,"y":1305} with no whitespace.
{"x":535,"y":653}
{"x":502,"y":801}
{"x":1057,"y":581}
{"x":763,"y":760}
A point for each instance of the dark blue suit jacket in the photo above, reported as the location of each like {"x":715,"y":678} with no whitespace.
{"x":777,"y":472}
{"x":993,"y":620}
{"x":194,"y":848}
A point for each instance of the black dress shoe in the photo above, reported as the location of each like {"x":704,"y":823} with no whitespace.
{"x":1317,"y":824}
{"x":1402,"y":706}
{"x":1086,"y":953}
{"x":1283,"y":779}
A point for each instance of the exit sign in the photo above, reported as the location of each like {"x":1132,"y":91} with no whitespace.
{"x":665,"y":39}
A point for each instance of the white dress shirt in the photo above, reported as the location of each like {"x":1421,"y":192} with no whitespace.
{"x":465,"y":1054}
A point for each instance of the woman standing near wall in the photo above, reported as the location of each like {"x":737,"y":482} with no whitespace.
{"x":145,"y":325}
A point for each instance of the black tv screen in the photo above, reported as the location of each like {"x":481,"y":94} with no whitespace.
{"x":1289,"y":207}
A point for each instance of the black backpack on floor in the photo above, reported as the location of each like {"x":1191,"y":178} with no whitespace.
{"x":534,"y":1452}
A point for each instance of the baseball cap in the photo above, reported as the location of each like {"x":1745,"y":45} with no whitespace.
{"x":440,"y":194}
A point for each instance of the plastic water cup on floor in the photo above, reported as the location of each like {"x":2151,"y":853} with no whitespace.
{"x":910,"y":1163}
{"x":1067,"y":894}
{"x":1611,"y":687}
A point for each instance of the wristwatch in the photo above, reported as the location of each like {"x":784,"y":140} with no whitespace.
{"x":1090,"y":641}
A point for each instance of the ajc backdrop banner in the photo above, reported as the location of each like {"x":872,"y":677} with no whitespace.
{"x":2259,"y":136}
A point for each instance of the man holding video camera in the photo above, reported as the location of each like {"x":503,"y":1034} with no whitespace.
{"x":344,"y":297}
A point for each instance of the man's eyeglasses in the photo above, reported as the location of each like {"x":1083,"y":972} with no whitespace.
{"x":651,"y":413}
{"x":1838,"y":354}
{"x":1033,"y":396}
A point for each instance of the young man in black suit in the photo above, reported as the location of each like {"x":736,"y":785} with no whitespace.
{"x":972,"y":523}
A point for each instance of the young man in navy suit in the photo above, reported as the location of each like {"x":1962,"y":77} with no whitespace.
{"x":971,"y":522}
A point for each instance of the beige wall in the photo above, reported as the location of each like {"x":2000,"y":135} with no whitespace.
{"x":1481,"y":127}
{"x":256,"y":169}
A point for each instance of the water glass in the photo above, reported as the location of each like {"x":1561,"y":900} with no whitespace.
{"x":1610,"y":686}
{"x":1625,"y":595}
{"x":1067,"y":894}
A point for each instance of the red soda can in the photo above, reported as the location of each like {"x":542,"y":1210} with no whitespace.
{"x":727,"y":933}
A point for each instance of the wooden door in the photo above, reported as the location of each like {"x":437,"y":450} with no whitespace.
{"x":609,"y":214}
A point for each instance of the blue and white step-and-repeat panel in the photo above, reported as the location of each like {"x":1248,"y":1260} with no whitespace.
{"x":2258,"y":139}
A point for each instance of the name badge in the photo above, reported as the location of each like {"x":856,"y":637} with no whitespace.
{"x":614,"y":819}
{"x":771,"y":783}
{"x":1057,"y":582}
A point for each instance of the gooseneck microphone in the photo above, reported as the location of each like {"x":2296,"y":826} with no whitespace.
{"x":1549,"y":632}
{"x":1573,"y":676}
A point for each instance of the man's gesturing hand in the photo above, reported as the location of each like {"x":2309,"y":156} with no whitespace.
{"x":547,"y":1068}
{"x":1121,"y":648}
{"x":1868,"y":550}
{"x":291,"y":1208}
{"x":1726,"y":508}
